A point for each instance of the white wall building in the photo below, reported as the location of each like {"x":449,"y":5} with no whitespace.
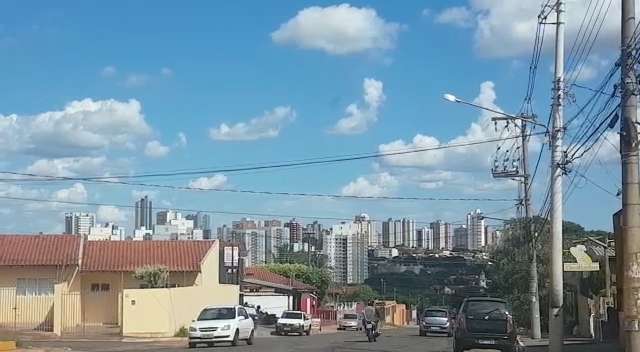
{"x":79,"y":223}
{"x":142,"y":233}
{"x":106,"y":232}
{"x":367,"y":228}
{"x":476,"y":228}
{"x":171,"y":225}
{"x":409,"y":233}
{"x":424,"y":238}
{"x":346,"y":249}
{"x":386,"y":252}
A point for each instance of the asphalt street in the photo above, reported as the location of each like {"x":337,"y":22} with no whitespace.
{"x":405,"y":340}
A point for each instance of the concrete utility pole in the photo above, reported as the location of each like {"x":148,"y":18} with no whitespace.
{"x":556,"y":321}
{"x":630,"y":181}
{"x":533,"y":269}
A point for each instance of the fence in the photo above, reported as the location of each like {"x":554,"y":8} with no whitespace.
{"x":30,"y":311}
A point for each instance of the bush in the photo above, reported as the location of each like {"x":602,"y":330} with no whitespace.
{"x":182,"y":332}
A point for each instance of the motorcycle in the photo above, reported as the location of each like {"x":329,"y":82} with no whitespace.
{"x":371,"y":330}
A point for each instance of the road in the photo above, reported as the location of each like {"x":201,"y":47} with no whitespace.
{"x":405,"y":340}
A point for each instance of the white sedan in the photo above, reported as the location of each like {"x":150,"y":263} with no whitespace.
{"x":221,"y":324}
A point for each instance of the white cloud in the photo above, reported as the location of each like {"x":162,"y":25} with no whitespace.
{"x":435,"y":179}
{"x":426,"y":12}
{"x":82,"y":127}
{"x":182,"y":140}
{"x":507,"y":28}
{"x":155,"y":149}
{"x":588,"y":70}
{"x":338,"y":30}
{"x":371,"y":186}
{"x":266,"y":126}
{"x":359,"y":119}
{"x":214,"y":182}
{"x":166,"y":72}
{"x":75,"y":193}
{"x":108,"y":71}
{"x":459,"y":16}
{"x":136,"y":80}
{"x":68,"y":167}
{"x":109,"y":213}
{"x":467,"y":158}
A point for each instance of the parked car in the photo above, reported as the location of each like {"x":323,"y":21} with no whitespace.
{"x":221,"y":324}
{"x":350,"y":321}
{"x":436,"y":320}
{"x":484,"y":323}
{"x":292,"y":322}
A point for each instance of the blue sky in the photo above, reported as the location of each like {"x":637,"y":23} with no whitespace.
{"x":96,"y":88}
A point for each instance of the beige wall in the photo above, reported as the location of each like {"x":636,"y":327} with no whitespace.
{"x":162,"y":311}
{"x":25,"y":312}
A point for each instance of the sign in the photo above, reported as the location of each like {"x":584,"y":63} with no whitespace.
{"x":583,"y":260}
{"x":231,"y":255}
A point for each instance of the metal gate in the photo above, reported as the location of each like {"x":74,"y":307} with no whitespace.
{"x":91,"y":314}
{"x":25,"y":311}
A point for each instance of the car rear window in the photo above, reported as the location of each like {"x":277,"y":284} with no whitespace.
{"x":436,"y":313}
{"x":350,"y":316}
{"x":485,"y":307}
{"x":292,"y":315}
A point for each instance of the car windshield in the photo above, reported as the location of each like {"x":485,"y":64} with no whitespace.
{"x":485,"y":307}
{"x":436,"y":313}
{"x":350,"y":316}
{"x":217,"y":314}
{"x":292,"y":315}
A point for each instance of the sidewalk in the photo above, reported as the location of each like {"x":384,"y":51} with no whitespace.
{"x":571,"y":345}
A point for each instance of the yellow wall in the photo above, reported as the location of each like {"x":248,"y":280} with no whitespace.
{"x":162,"y":311}
{"x":26,"y":312}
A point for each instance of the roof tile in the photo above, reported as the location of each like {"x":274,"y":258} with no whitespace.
{"x":58,"y":250}
{"x":262,"y":274}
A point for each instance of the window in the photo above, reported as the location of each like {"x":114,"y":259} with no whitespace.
{"x":243,"y":313}
{"x":34,"y":287}
{"x":100,"y":287}
{"x":217,"y":314}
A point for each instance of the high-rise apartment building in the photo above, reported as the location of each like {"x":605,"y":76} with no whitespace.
{"x":143,"y":213}
{"x":346,"y":250}
{"x":476,"y":228}
{"x":442,"y":235}
{"x":106,"y":232}
{"x":171,"y":225}
{"x":460,"y":235}
{"x":387,"y":240}
{"x":397,"y":233}
{"x":366,"y":228}
{"x":79,"y":223}
{"x":424,"y":238}
{"x":409,"y":233}
{"x":295,"y":231}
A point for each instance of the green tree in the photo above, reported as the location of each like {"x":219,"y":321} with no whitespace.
{"x":155,"y":276}
{"x":364,"y":293}
{"x":319,"y":278}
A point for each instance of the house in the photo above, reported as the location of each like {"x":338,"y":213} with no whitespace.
{"x":64,"y":284}
{"x":275,"y":293}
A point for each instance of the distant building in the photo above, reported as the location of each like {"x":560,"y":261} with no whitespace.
{"x":492,"y":236}
{"x":313,"y":233}
{"x":143,"y":213}
{"x":439,"y":235}
{"x":201,"y":221}
{"x":386,"y":252}
{"x":244,"y":224}
{"x":476,"y":230}
{"x":79,"y":223}
{"x":106,"y":232}
{"x":409,"y":233}
{"x":170,"y":225}
{"x":424,"y":238}
{"x":366,"y":228}
{"x":460,"y":237}
{"x":346,"y":250}
{"x":397,"y":233}
{"x":142,"y":234}
{"x":295,"y":231}
{"x":387,"y":240}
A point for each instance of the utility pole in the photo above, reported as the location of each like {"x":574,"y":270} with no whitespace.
{"x":533,"y":270}
{"x":556,"y":301}
{"x":630,"y":181}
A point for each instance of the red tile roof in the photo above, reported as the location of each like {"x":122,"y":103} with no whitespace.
{"x":18,"y":250}
{"x":130,"y":255}
{"x":255,"y":273}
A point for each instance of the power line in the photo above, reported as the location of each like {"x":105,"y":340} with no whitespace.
{"x":281,"y":165}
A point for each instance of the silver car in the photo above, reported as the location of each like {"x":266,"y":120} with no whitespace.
{"x":350,"y":321}
{"x":436,"y":320}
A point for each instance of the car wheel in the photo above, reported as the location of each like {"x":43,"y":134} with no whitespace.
{"x":422,"y":333}
{"x":192,"y":345}
{"x":250,"y":339}
{"x":308,"y":331}
{"x":235,"y":338}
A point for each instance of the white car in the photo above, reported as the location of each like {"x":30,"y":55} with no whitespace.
{"x":221,"y":324}
{"x":293,"y":321}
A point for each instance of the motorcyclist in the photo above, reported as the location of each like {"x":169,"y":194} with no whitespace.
{"x":371,"y":315}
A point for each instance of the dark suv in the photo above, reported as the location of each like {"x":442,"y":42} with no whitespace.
{"x":484,"y":323}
